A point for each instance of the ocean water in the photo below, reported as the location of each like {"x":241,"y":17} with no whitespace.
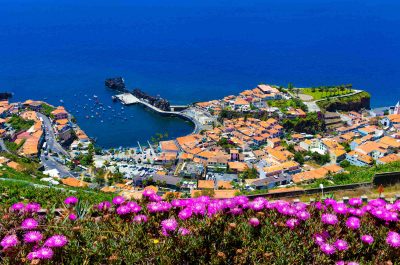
{"x":190,"y":51}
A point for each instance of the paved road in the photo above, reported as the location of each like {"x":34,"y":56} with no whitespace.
{"x":3,"y":146}
{"x":49,"y":163}
{"x":52,"y":143}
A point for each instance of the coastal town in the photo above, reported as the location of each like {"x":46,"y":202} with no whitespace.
{"x":268,"y":139}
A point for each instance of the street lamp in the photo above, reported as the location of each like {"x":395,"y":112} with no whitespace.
{"x":321,"y":186}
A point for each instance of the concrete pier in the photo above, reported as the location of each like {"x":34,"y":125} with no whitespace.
{"x":129,"y":99}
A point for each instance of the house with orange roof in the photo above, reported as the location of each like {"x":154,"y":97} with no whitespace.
{"x":373,"y":149}
{"x":60,"y":113}
{"x":33,"y":105}
{"x":388,"y":159}
{"x":241,"y":104}
{"x":205,"y":184}
{"x":358,"y":159}
{"x":73,"y":182}
{"x":169,"y":146}
{"x":237,"y":167}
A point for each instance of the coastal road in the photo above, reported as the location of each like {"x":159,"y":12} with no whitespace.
{"x":3,"y":146}
{"x":52,"y":143}
{"x":49,"y":163}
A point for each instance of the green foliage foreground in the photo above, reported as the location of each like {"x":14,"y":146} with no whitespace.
{"x":108,"y":236}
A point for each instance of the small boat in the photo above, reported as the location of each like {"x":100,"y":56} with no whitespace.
{"x":62,"y":101}
{"x":94,"y":96}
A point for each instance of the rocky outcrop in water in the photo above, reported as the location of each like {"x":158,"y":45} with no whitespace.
{"x":116,"y":83}
{"x":157,"y":102}
{"x":5,"y":95}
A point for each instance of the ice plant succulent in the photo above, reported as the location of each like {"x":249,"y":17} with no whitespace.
{"x":367,"y":239}
{"x":56,"y":241}
{"x":353,"y":223}
{"x":9,"y":241}
{"x":33,"y":237}
{"x":71,"y":200}
{"x":393,"y":239}
{"x":329,"y":219}
{"x":29,"y":224}
{"x":169,"y":224}
{"x":254,"y":222}
{"x":118,"y":200}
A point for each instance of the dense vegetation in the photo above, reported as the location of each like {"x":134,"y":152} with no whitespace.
{"x":47,"y":109}
{"x":19,"y":124}
{"x":355,"y":102}
{"x":198,"y":231}
{"x":311,"y":124}
{"x":327,"y":91}
{"x":355,"y":174}
{"x":283,"y":104}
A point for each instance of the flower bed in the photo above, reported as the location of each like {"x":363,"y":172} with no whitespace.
{"x":201,"y":231}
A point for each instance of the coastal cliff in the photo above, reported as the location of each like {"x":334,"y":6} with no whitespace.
{"x":116,"y":83}
{"x":355,"y":102}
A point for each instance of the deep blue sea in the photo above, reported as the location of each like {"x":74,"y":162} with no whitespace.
{"x":190,"y":51}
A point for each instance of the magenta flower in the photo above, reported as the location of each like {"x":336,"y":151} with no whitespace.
{"x":148,"y":192}
{"x":329,"y":219}
{"x":104,"y":205}
{"x":123,"y":210}
{"x":256,"y":205}
{"x":341,"y":245}
{"x":352,"y":263}
{"x":72,"y":217}
{"x":118,"y":200}
{"x":303,"y":215}
{"x":33,"y":237}
{"x":340,"y":208}
{"x":32,"y":255}
{"x":320,"y":238}
{"x":56,"y":241}
{"x":236,"y":211}
{"x":16,"y":207}
{"x":183,"y":231}
{"x":254,"y":222}
{"x":328,"y":249}
{"x":135,"y":208}
{"x":185,"y":214}
{"x":393,"y":239}
{"x":29,"y":224}
{"x":292,"y":223}
{"x":355,"y":202}
{"x":9,"y":241}
{"x":32,"y":207}
{"x":44,"y":253}
{"x":71,"y":200}
{"x":140,"y":219}
{"x":367,"y":239}
{"x":340,"y":262}
{"x":353,"y":223}
{"x":169,"y":224}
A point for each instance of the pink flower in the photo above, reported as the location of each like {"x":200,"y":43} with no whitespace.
{"x":56,"y":241}
{"x":185,"y":214}
{"x":16,"y":207}
{"x":44,"y":253}
{"x":32,"y":207}
{"x":32,"y":255}
{"x":123,"y":210}
{"x":393,"y":239}
{"x":148,"y":192}
{"x":183,"y":231}
{"x":303,"y":215}
{"x":118,"y":200}
{"x":341,"y":245}
{"x":292,"y":223}
{"x":72,"y":217}
{"x":329,"y":219}
{"x":353,"y":223}
{"x":29,"y":224}
{"x":169,"y":224}
{"x":340,"y":208}
{"x":9,"y":241}
{"x":254,"y":222}
{"x":355,"y":202}
{"x":328,"y":249}
{"x":71,"y":200}
{"x":367,"y":239}
{"x":140,"y":219}
{"x":102,"y":206}
{"x":33,"y":237}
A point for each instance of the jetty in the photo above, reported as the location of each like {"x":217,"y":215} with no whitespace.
{"x":130,"y":99}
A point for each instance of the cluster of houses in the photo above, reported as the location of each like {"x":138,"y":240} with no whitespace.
{"x":247,"y":100}
{"x":31,"y":140}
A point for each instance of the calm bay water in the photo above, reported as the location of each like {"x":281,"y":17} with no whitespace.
{"x":191,"y":51}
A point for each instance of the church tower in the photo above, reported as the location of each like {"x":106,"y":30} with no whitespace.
{"x":397,"y":108}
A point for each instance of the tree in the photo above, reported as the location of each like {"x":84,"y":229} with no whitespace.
{"x":298,"y":157}
{"x":250,"y":173}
